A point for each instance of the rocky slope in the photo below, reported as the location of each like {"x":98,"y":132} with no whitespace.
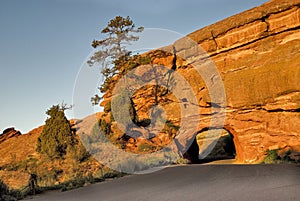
{"x":19,"y":159}
{"x":13,"y":150}
{"x":257,"y":57}
{"x":10,"y":149}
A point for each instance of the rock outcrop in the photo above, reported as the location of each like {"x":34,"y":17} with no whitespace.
{"x":9,"y":133}
{"x":257,"y":56}
{"x":17,"y":147}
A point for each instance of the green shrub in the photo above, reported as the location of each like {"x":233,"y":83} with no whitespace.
{"x":182,"y":161}
{"x":80,"y":181}
{"x":107,"y":107}
{"x":80,"y":152}
{"x":272,"y":157}
{"x":121,"y":105}
{"x":170,"y":125}
{"x":98,"y":131}
{"x":72,"y":184}
{"x":7,"y":194}
{"x":145,"y":147}
{"x":3,"y":188}
{"x":104,"y":126}
{"x":170,"y":128}
{"x":56,"y":135}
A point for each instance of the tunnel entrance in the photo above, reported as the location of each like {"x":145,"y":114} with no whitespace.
{"x":214,"y":144}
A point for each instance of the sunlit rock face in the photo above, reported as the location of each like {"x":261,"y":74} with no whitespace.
{"x":257,"y":54}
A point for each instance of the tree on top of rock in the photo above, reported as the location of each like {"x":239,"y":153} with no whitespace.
{"x":57,"y":135}
{"x":112,"y":53}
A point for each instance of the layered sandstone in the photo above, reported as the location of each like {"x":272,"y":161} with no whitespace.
{"x":257,"y":54}
{"x":257,"y":57}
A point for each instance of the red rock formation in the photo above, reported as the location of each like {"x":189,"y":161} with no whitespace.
{"x":9,"y":133}
{"x":257,"y":56}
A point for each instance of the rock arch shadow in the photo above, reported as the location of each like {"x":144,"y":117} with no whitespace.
{"x":220,"y":148}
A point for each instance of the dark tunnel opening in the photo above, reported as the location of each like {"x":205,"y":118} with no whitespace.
{"x":214,"y":144}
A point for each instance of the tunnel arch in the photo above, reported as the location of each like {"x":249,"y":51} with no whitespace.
{"x":238,"y":148}
{"x":231,"y":147}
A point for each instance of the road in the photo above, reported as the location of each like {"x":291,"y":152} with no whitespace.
{"x":194,"y":183}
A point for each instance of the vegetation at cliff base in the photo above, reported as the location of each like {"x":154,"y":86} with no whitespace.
{"x":7,"y":194}
{"x":278,"y":156}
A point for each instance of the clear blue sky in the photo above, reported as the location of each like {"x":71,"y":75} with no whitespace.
{"x":44,"y":42}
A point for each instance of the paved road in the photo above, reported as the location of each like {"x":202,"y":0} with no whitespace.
{"x":195,"y":183}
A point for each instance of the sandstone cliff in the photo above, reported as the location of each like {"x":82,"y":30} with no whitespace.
{"x":257,"y":54}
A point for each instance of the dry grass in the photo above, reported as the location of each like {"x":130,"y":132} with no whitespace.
{"x":14,"y":179}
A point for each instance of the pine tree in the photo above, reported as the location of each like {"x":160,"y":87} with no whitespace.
{"x":112,"y":53}
{"x":57,"y":135}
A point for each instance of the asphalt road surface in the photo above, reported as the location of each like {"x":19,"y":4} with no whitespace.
{"x":194,"y":183}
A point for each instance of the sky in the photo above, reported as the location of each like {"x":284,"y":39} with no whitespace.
{"x":44,"y":45}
